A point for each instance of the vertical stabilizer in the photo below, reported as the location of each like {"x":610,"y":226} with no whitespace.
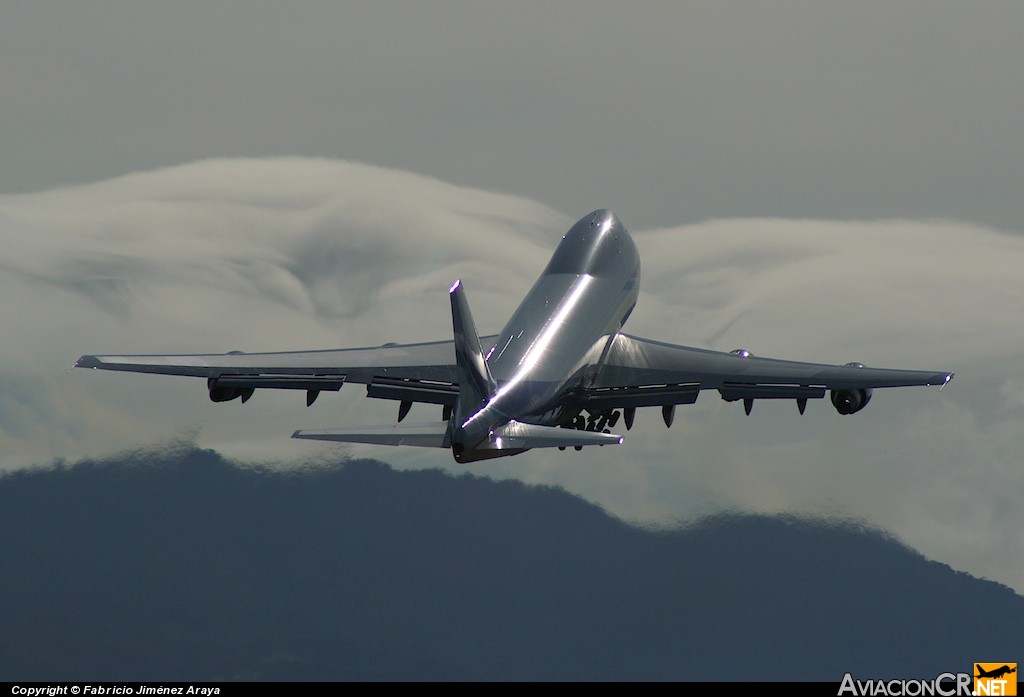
{"x":475,"y":382}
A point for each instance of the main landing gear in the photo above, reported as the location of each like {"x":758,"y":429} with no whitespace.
{"x":601,"y":422}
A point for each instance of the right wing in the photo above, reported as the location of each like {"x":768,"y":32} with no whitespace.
{"x":641,"y":372}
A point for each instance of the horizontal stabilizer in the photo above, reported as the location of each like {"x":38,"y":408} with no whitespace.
{"x":426,"y":435}
{"x":516,"y":435}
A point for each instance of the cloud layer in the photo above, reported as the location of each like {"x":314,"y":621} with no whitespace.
{"x":282,"y":254}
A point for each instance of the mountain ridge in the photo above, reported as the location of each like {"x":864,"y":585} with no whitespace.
{"x":180,"y":565}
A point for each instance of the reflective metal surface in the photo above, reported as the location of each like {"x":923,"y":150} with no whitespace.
{"x":559,"y":374}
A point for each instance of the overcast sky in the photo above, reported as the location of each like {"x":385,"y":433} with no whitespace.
{"x":807,"y":181}
{"x":668,"y":113}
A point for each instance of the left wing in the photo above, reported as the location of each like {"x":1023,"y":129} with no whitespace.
{"x":641,"y":372}
{"x":418,"y":372}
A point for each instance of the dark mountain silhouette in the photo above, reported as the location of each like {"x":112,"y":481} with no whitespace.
{"x":182,"y":566}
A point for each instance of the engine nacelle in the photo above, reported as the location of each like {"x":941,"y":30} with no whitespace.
{"x":850,"y":401}
{"x":222,"y":393}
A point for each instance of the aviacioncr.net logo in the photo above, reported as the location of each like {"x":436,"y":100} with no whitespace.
{"x":944,"y":685}
{"x":995,"y":679}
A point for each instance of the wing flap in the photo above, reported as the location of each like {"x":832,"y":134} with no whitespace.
{"x":413,"y":391}
{"x":280,"y":382}
{"x":733,"y":392}
{"x":641,"y":396}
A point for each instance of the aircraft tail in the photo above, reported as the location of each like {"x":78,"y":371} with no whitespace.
{"x":477,"y":434}
{"x":475,"y":382}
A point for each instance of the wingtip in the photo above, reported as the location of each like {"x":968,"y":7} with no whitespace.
{"x":455,"y":286}
{"x":88,"y":362}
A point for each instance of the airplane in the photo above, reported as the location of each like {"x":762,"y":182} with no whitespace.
{"x":559,"y":374}
{"x":996,"y":673}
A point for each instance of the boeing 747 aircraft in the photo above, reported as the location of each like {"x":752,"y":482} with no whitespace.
{"x":559,"y":374}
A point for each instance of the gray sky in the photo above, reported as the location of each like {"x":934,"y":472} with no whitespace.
{"x":668,"y":113}
{"x":804,"y":181}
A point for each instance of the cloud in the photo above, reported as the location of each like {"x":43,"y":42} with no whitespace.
{"x":260,"y":255}
{"x":282,"y":254}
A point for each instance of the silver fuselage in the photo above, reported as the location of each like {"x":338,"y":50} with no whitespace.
{"x":554,"y":343}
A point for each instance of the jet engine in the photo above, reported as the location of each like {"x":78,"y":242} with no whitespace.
{"x":850,"y":401}
{"x":223,"y":393}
